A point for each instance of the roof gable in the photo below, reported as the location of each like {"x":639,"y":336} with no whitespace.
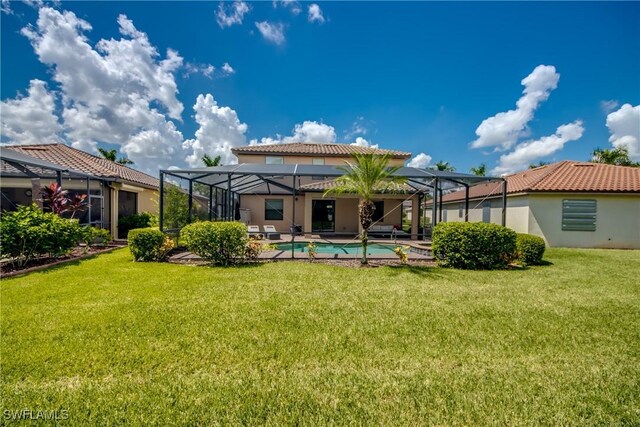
{"x":304,"y":148}
{"x":565,"y":176}
{"x":72,"y":158}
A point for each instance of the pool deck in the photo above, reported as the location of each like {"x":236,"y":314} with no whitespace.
{"x":421,"y":250}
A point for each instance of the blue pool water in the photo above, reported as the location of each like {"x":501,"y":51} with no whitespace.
{"x":341,"y":249}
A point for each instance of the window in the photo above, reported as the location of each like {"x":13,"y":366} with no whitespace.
{"x":318,"y":161}
{"x":579,"y":215}
{"x":274,"y":160}
{"x":274,"y":209}
{"x":379,"y":212}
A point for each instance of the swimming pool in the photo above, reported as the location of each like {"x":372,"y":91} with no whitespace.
{"x":340,"y":248}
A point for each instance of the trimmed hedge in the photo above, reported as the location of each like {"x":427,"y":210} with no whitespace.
{"x":473,"y":245}
{"x":28,"y":232}
{"x":149,"y":244}
{"x":530,"y":249}
{"x":217,"y":242}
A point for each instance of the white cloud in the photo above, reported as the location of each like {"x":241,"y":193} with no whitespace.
{"x":504,"y":129}
{"x":315,"y":13}
{"x":609,"y":105}
{"x":624,"y":126}
{"x":228,"y":69}
{"x":421,"y":161}
{"x":361,"y":142}
{"x":5,"y":7}
{"x":273,"y":33}
{"x":307,"y":131}
{"x":119,"y":92}
{"x":220,"y":130}
{"x":527,"y":152}
{"x":206,"y":70}
{"x":359,"y":127}
{"x":30,"y":119}
{"x":312,"y":131}
{"x":229,"y":14}
{"x":292,"y":5}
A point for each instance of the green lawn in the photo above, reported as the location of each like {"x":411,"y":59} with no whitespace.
{"x":112,"y":341}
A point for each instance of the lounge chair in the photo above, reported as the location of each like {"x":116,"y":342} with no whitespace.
{"x":270,"y":232}
{"x":254,"y":231}
{"x":381,"y":230}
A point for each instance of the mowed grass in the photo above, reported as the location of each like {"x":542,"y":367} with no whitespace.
{"x":113,"y":342}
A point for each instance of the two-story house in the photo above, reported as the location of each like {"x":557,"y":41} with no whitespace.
{"x":316,"y":214}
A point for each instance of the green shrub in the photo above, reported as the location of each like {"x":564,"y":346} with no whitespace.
{"x":471,"y":245}
{"x":29,"y":232}
{"x":149,"y":244}
{"x":140,"y":220}
{"x":94,"y":236}
{"x":217,"y":242}
{"x":530,"y":249}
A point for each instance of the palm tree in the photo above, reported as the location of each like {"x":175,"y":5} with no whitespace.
{"x":616,"y":156}
{"x":210,"y":162}
{"x":443,"y":166}
{"x":369,"y":175}
{"x":537,"y":165}
{"x":111,"y":155}
{"x":480,"y":170}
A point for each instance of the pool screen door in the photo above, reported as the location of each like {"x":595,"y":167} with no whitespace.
{"x":323,"y":216}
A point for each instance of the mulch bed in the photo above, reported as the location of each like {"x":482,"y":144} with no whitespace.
{"x":8,"y":270}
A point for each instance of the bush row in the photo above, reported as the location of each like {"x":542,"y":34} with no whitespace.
{"x":483,"y":246}
{"x":221,"y":243}
{"x":28,"y":232}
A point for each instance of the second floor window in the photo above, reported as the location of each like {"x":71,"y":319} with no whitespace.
{"x":318,"y":161}
{"x":274,"y":160}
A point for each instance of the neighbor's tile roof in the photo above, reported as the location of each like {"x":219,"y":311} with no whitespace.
{"x":303,"y":148}
{"x":72,"y":158}
{"x":325,"y":185}
{"x":565,"y":176}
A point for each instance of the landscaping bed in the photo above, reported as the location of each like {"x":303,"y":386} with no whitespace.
{"x":8,"y":269}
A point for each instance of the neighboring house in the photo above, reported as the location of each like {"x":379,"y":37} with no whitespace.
{"x":115,"y":190}
{"x":314,"y":213}
{"x":569,"y":204}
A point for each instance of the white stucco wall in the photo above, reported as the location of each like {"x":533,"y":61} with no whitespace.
{"x":617,"y":221}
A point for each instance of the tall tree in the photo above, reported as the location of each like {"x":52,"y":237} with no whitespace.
{"x":370,"y":174}
{"x":443,"y":166}
{"x":481,"y":170}
{"x":211,"y":161}
{"x":618,"y":156}
{"x":112,"y":156}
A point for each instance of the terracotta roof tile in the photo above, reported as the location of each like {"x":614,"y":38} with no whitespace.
{"x":72,"y":158}
{"x":565,"y":176}
{"x":303,"y":148}
{"x":325,"y":185}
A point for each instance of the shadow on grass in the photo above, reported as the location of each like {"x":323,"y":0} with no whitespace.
{"x":423,"y":271}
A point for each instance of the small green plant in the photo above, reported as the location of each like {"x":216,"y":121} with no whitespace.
{"x":530,"y":249}
{"x":94,"y":236}
{"x":149,"y":244}
{"x":401,"y":252}
{"x":312,"y":250}
{"x":475,"y":246}
{"x":221,"y":243}
{"x":253,"y":249}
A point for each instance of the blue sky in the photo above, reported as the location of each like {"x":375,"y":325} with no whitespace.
{"x":414,"y":76}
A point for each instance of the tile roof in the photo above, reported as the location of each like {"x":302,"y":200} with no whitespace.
{"x":303,"y":148}
{"x":72,"y":158}
{"x":565,"y":176}
{"x":325,"y":185}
